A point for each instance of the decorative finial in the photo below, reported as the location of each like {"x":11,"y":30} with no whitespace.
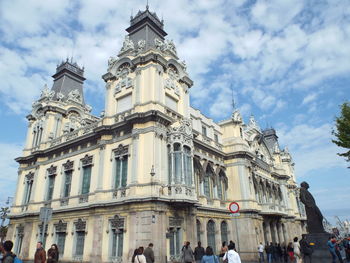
{"x":131,"y":16}
{"x":147,"y":7}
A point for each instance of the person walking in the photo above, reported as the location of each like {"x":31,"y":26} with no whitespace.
{"x":149,"y":254}
{"x":8,"y":256}
{"x":306,"y":249}
{"x":232,"y":244}
{"x":296,"y":250}
{"x":261,"y":253}
{"x":331,"y":248}
{"x":231,"y":255}
{"x":199,"y":252}
{"x":284,"y":253}
{"x":223,"y":249}
{"x":140,"y":258}
{"x":268,"y":250}
{"x":290,"y":252}
{"x":209,"y":256}
{"x":337,"y":250}
{"x":187,"y":253}
{"x":52,"y":254}
{"x":40,"y":254}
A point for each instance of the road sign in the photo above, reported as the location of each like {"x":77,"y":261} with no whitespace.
{"x":45,"y":214}
{"x":234,"y":207}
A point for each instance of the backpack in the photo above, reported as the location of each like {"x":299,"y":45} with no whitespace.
{"x":17,"y":260}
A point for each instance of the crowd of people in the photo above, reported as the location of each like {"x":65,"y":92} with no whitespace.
{"x":301,"y":251}
{"x":200,"y":254}
{"x":7,"y":256}
{"x":293,"y":252}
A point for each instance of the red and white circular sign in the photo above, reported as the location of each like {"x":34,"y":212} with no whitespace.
{"x":234,"y":207}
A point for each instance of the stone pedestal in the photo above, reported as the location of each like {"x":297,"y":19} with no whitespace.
{"x":321,"y":253}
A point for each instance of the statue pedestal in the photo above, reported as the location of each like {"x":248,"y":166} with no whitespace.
{"x":320,"y":249}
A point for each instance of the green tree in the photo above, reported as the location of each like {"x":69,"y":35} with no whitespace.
{"x":342,"y":133}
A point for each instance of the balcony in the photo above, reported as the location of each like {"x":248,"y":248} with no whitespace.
{"x":270,"y":208}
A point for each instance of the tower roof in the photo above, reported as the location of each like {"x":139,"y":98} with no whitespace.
{"x":69,"y":77}
{"x":146,"y":26}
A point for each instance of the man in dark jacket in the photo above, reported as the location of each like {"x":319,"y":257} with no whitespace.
{"x":40,"y":254}
{"x":199,"y":252}
{"x":305,"y":248}
{"x":9,"y":257}
{"x":149,"y":254}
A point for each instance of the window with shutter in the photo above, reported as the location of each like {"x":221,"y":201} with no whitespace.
{"x":124,"y":103}
{"x":86,"y":179}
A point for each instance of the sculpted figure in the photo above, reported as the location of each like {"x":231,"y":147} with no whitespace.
{"x":313,"y":213}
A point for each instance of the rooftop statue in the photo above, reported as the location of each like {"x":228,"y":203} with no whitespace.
{"x":313,"y":213}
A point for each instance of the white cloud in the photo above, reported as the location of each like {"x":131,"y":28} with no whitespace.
{"x":311,"y":147}
{"x":8,"y":169}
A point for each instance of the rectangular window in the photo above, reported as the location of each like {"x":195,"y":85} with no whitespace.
{"x":204,"y":130}
{"x":117,"y":243}
{"x":28,"y":191}
{"x":124,"y":103}
{"x":216,"y":138}
{"x":61,"y":240}
{"x":67,"y":183}
{"x":219,"y":188}
{"x":121,"y":171}
{"x":86,"y":179}
{"x":206,"y":186}
{"x":19,"y":242}
{"x":80,"y":238}
{"x":171,"y":103}
{"x":50,"y":187}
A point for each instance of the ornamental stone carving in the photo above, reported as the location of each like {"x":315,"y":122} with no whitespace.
{"x":75,"y":96}
{"x":141,"y":45}
{"x":30,"y":176}
{"x":80,"y":225}
{"x":68,"y":166}
{"x":121,"y":151}
{"x":128,"y":44}
{"x":175,"y":221}
{"x":170,"y":46}
{"x":61,"y":226}
{"x":111,"y":62}
{"x":52,"y":170}
{"x":237,"y":117}
{"x":181,"y":132}
{"x":87,"y":160}
{"x":117,"y":222}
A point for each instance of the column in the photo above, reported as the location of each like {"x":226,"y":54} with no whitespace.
{"x":101,"y":167}
{"x":268,"y":236}
{"x":135,"y":143}
{"x":242,"y":172}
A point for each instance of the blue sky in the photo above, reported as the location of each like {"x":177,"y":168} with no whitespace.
{"x":287,"y":62}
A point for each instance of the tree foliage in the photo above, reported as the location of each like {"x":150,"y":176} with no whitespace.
{"x":342,"y":133}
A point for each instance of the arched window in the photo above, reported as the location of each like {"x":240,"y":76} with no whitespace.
{"x":208,"y":181}
{"x":211,"y":234}
{"x":198,"y":228}
{"x":224,"y":234}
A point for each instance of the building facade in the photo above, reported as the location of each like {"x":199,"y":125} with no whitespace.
{"x":150,"y":169}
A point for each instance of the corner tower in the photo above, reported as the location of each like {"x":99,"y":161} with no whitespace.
{"x":147,"y":73}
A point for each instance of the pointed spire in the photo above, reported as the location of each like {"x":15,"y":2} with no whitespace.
{"x":147,"y":6}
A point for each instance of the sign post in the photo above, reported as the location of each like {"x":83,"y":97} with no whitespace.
{"x":234,"y":209}
{"x":45,"y":216}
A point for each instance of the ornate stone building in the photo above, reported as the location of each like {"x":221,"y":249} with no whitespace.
{"x":150,"y":169}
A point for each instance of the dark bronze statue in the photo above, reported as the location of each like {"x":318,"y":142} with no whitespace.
{"x":313,"y":213}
